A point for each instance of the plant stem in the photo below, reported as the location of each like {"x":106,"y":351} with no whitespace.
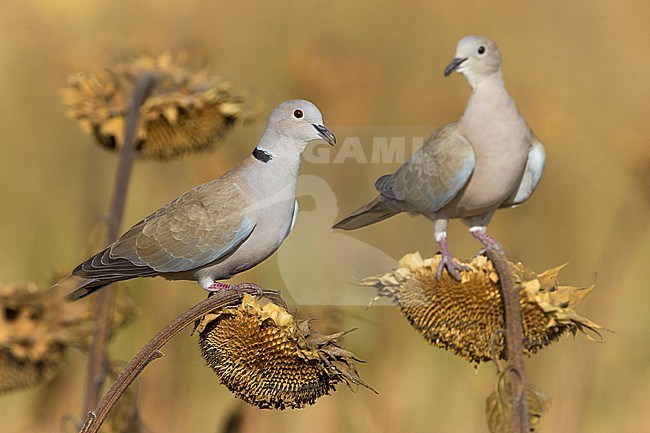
{"x":513,"y":340}
{"x":97,"y":356}
{"x":151,"y":350}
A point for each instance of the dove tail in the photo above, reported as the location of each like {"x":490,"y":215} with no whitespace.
{"x":79,"y":287}
{"x":375,"y":211}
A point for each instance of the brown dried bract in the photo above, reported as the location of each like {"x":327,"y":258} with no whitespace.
{"x":186,"y":112}
{"x":269,"y":359}
{"x":466,"y":317}
{"x":498,"y":406}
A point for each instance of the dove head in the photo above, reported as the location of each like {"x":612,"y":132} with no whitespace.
{"x":477,"y":57}
{"x":292,"y":125}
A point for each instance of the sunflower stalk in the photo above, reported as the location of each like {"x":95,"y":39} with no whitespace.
{"x":97,"y":356}
{"x":151,"y":350}
{"x":514,"y":340}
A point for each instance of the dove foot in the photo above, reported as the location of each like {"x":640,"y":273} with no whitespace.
{"x":258,"y":289}
{"x":487,"y":240}
{"x":447,"y":261}
{"x":453,"y":268}
{"x":218,"y":287}
{"x":239,"y":288}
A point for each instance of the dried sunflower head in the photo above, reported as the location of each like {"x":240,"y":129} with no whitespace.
{"x":269,"y":359}
{"x":466,"y":317}
{"x":186,"y":111}
{"x":36,"y":328}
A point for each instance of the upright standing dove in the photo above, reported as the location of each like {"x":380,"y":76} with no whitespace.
{"x":487,"y":160}
{"x":222,"y":227}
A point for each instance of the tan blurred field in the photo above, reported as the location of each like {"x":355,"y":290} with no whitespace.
{"x":579,"y":72}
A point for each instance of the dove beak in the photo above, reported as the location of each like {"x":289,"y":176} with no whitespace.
{"x":451,"y":67}
{"x":325,"y":134}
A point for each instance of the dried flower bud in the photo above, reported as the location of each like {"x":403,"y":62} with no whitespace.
{"x":269,"y":359}
{"x":466,"y":317}
{"x":186,"y":112}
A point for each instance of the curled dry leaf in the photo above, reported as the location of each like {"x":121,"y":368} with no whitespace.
{"x":498,"y":406}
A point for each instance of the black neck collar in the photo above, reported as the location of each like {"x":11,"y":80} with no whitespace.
{"x":262,"y":156}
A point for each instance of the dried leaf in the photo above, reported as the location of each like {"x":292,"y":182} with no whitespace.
{"x":498,"y":407}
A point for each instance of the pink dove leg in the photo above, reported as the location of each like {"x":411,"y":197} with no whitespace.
{"x":446,"y":261}
{"x":488,"y":241}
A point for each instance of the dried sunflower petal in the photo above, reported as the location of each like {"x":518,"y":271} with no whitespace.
{"x":466,"y":316}
{"x":186,"y":111}
{"x":269,"y":359}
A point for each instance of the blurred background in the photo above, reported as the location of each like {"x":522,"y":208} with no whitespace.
{"x":579,"y":73}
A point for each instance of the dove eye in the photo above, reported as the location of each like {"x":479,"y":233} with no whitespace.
{"x":481,"y":49}
{"x":298,"y":114}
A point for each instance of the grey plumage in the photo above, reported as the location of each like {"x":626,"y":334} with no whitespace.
{"x":489,"y":159}
{"x":222,"y":227}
